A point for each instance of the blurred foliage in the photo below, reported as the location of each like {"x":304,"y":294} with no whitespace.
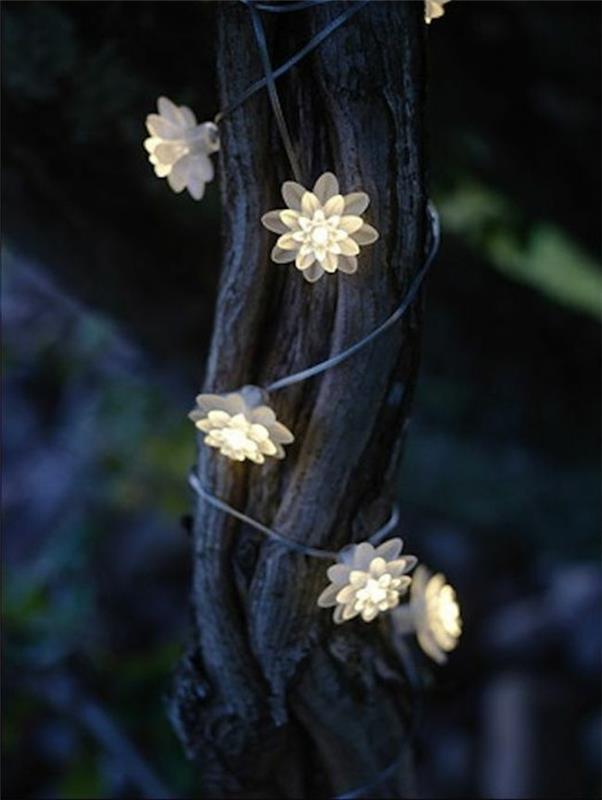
{"x":542,"y":256}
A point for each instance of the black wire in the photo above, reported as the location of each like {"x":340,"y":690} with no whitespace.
{"x":294,"y":59}
{"x":272,"y":91}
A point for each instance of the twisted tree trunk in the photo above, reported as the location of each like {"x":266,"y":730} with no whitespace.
{"x":272,"y":698}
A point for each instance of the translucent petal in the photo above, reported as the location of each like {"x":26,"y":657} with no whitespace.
{"x":218,"y":418}
{"x":169,"y":110}
{"x":328,"y":596}
{"x":286,"y":242}
{"x":195,"y":186}
{"x":273,"y":222}
{"x":349,"y":247}
{"x":202,"y":167}
{"x":369,"y":613}
{"x":428,"y":644}
{"x":339,"y":574}
{"x":363,"y":555}
{"x":348,"y":264}
{"x":158,"y":126}
{"x":259,"y":432}
{"x":290,"y":218}
{"x":268,"y":448}
{"x":177,"y":184}
{"x":168,"y":152}
{"x":187,"y":116}
{"x":330,"y":262}
{"x":325,"y":187}
{"x":304,"y":259}
{"x":280,"y":433}
{"x":178,"y":176}
{"x":346,"y":594}
{"x":292,"y":193}
{"x":349,"y":612}
{"x":309,"y":204}
{"x":282,"y":256}
{"x":264,"y":416}
{"x":356,"y":203}
{"x":334,"y":206}
{"x":150,"y":143}
{"x":351,"y":224}
{"x":366,"y":234}
{"x":313,"y":273}
{"x":338,"y":615}
{"x":390,"y":549}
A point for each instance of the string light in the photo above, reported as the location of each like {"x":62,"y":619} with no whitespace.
{"x":179,"y":148}
{"x":367,"y":580}
{"x":433,"y":613}
{"x":321,"y":230}
{"x":240,"y":425}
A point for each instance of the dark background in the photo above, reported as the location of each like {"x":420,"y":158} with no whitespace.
{"x":109,"y":283}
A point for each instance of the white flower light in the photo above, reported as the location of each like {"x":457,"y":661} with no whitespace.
{"x":433,"y":613}
{"x":322,"y":230}
{"x":179,"y":148}
{"x":433,"y":9}
{"x":240,"y":425}
{"x":367,"y":580}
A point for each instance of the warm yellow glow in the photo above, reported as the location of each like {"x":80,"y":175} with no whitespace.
{"x":433,"y":9}
{"x":240,"y":426}
{"x":435,"y":614}
{"x":179,"y":147}
{"x":367,"y":580}
{"x":322,"y":230}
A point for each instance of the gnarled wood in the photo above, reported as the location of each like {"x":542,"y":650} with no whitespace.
{"x":273,"y":699}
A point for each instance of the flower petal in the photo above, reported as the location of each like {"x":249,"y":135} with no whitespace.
{"x":168,"y":110}
{"x":304,"y":259}
{"x":325,"y":187}
{"x":158,"y":126}
{"x":334,"y":206}
{"x":328,"y":596}
{"x":339,"y":574}
{"x":282,"y":256}
{"x":178,"y":177}
{"x":349,"y":247}
{"x":280,"y":434}
{"x":351,"y":224}
{"x":313,"y":273}
{"x":363,"y":555}
{"x":330,"y":262}
{"x":309,"y":204}
{"x":346,"y":595}
{"x":273,"y":222}
{"x":292,"y":193}
{"x":187,"y":116}
{"x":390,"y":549}
{"x":366,"y":234}
{"x":347,"y":264}
{"x":290,"y":218}
{"x":286,"y":242}
{"x":356,"y":203}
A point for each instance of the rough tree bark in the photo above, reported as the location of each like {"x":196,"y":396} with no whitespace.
{"x":272,"y":699}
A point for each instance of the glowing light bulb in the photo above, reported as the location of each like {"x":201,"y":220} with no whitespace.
{"x":322,"y":230}
{"x":240,"y":425}
{"x":367,"y":580}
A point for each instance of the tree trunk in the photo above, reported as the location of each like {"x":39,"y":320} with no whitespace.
{"x":273,"y":699}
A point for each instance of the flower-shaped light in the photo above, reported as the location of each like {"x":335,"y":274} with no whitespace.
{"x":179,"y":148}
{"x":240,"y":425}
{"x":322,"y":230}
{"x":367,"y":580}
{"x":433,"y":613}
{"x":433,"y":9}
